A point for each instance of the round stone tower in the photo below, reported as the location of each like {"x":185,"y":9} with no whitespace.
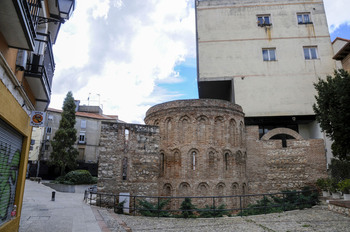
{"x":202,"y":147}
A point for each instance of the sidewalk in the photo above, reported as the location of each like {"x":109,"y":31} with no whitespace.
{"x":67,"y":213}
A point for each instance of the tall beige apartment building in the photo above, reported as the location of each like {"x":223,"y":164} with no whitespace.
{"x":265,"y":55}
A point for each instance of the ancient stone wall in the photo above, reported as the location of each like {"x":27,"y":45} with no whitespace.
{"x":272,"y":167}
{"x":129,"y":159}
{"x":202,"y":148}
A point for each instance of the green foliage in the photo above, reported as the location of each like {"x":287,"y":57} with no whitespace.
{"x":344,"y":186}
{"x":153,"y":210}
{"x":323,"y":183}
{"x":213,"y":211}
{"x":63,"y":153}
{"x":291,"y":200}
{"x":332,"y":111}
{"x":119,"y":208}
{"x":187,"y":208}
{"x":333,"y":185}
{"x":76,"y":177}
{"x":263,"y":206}
{"x":340,"y":169}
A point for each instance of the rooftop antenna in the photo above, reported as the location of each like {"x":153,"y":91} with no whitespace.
{"x":89,"y":99}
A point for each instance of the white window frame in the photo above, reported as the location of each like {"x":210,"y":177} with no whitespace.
{"x":303,"y":18}
{"x":48,"y":130}
{"x":269,"y":54}
{"x":261,"y":20}
{"x":308,"y":54}
{"x":82,"y":137}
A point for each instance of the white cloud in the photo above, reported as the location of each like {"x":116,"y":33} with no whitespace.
{"x":121,"y":50}
{"x":337,"y":13}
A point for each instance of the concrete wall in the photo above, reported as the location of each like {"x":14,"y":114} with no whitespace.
{"x":230,"y":46}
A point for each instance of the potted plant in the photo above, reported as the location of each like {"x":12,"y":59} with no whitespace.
{"x":334,"y":189}
{"x":344,"y":186}
{"x":324,"y":185}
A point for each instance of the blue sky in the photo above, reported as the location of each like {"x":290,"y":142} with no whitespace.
{"x":128,"y":55}
{"x":342,"y":31}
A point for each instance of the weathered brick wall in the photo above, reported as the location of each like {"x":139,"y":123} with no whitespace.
{"x":133,"y":150}
{"x":273,"y":168}
{"x":213,"y":132}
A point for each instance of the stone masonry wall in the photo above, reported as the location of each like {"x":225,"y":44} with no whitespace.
{"x":202,"y":148}
{"x":129,"y":159}
{"x":272,"y":167}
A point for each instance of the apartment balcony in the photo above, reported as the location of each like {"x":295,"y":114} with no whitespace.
{"x":60,"y":11}
{"x":18,"y":21}
{"x":39,"y":71}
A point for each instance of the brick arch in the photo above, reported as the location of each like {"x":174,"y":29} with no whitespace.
{"x":280,"y":130}
{"x":220,"y":185}
{"x":184,"y":189}
{"x":167,"y":189}
{"x":184,"y":129}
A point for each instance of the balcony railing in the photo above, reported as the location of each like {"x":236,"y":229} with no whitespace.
{"x":42,"y":65}
{"x":31,"y":11}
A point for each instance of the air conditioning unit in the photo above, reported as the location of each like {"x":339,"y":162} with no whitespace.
{"x":21,"y":60}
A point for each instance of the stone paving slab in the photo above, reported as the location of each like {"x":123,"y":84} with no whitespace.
{"x":68,"y":213}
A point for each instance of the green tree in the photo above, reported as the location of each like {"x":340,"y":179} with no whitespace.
{"x":332,"y":110}
{"x":63,"y":153}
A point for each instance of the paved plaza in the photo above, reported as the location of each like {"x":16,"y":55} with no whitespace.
{"x":69,"y":213}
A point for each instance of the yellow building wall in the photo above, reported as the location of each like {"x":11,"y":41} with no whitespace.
{"x":13,"y":114}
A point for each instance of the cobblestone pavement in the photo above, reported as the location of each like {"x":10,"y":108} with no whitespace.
{"x":316,"y":219}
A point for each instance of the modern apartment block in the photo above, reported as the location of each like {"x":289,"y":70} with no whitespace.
{"x":265,"y":56}
{"x":28,"y":28}
{"x":88,"y":126}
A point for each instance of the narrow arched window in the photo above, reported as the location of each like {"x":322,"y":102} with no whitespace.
{"x":162,"y":164}
{"x":194,"y":160}
{"x":125,"y":168}
{"x":126,"y":135}
{"x":226,"y":161}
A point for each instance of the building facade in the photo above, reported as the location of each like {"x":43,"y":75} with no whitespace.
{"x":88,"y":126}
{"x":265,"y":56}
{"x":28,"y":28}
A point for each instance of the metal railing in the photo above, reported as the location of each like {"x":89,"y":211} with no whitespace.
{"x":31,"y":11}
{"x":236,"y":205}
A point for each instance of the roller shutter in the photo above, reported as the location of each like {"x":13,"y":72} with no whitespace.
{"x":10,"y":155}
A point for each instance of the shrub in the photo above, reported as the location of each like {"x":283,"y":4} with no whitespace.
{"x":323,"y":183}
{"x":344,"y":186}
{"x":77,"y":177}
{"x":119,"y":208}
{"x":291,"y":200}
{"x":187,"y":208}
{"x":153,"y":210}
{"x":333,"y":185}
{"x":213,"y":211}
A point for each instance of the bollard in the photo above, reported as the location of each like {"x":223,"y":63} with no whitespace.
{"x":53,"y":196}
